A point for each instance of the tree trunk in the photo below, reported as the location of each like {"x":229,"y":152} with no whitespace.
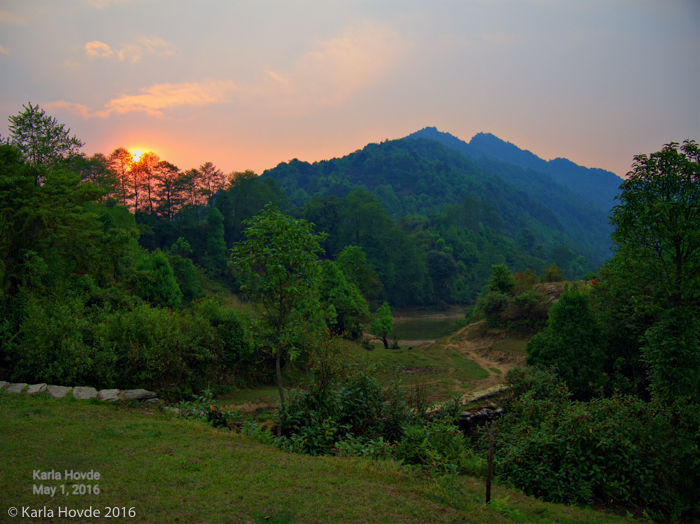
{"x":386,"y":342}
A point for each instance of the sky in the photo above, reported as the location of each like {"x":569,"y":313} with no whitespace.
{"x":250,"y":84}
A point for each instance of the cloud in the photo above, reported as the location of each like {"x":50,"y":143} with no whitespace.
{"x":336,"y":69}
{"x":153,"y":99}
{"x":96,"y":48}
{"x":4,"y":50}
{"x":103,"y":4}
{"x":132,"y":52}
{"x":10,"y":19}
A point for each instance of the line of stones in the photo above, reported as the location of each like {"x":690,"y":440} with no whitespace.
{"x":82,"y":393}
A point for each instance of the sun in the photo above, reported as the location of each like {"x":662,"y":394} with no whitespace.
{"x":136,"y":154}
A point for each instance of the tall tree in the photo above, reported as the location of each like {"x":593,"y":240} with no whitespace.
{"x":657,"y":241}
{"x":216,"y":245}
{"x":278,"y":263}
{"x":144,"y":177}
{"x":169,"y":190}
{"x":40,"y":138}
{"x":121,"y":161}
{"x":573,"y":343}
{"x":211,"y":180}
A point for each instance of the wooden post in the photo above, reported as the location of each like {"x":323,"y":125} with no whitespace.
{"x":491,"y":431}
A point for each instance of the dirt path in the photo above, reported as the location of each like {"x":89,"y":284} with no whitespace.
{"x":478,"y":349}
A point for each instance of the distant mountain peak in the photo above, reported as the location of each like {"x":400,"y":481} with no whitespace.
{"x":595,"y":185}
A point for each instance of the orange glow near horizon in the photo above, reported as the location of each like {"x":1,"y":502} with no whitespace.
{"x":136,"y":154}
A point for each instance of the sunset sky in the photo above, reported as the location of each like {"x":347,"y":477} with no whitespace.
{"x":247,"y":85}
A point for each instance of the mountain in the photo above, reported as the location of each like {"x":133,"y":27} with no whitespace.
{"x":424,"y":177}
{"x":596,"y":185}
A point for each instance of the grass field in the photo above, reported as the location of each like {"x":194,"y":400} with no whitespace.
{"x":174,"y":471}
{"x":418,"y":329}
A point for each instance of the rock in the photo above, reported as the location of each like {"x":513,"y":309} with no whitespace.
{"x":57,"y":391}
{"x":16,"y":388}
{"x":138,"y":394}
{"x":3,"y":384}
{"x":108,"y":395}
{"x":36,"y":388}
{"x":84,"y":393}
{"x":152,"y":400}
{"x":468,"y":421}
{"x":174,"y":410}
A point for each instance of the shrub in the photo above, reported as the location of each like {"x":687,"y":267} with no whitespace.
{"x":526,"y":313}
{"x":501,"y":280}
{"x":616,"y":449}
{"x":573,"y":343}
{"x":553,"y":274}
{"x":439,"y":445}
{"x":344,"y":398}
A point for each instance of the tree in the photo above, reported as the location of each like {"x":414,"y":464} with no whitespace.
{"x":216,"y":246}
{"x":144,"y":177}
{"x":442,"y":270}
{"x":169,"y":190}
{"x":349,"y":306}
{"x":383,"y":323}
{"x":352,"y":261}
{"x":501,"y":281}
{"x":658,"y":221}
{"x":573,"y":344}
{"x":657,"y":241}
{"x":211,"y":180}
{"x":121,"y":161}
{"x":40,"y":138}
{"x":278,"y":264}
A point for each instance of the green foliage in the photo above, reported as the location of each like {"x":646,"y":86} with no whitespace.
{"x":538,"y":382}
{"x":156,"y":281}
{"x":442,"y":270}
{"x":672,"y":351}
{"x":658,"y":221}
{"x":617,"y":449}
{"x":383,"y":323}
{"x":650,"y":300}
{"x":344,"y":402}
{"x":573,"y":344}
{"x":353,"y":263}
{"x":526,"y":313}
{"x":216,"y":246}
{"x":438,"y":445}
{"x":493,"y":304}
{"x":553,"y":274}
{"x":278,"y":264}
{"x":40,"y":138}
{"x":186,"y":275}
{"x":501,"y":280}
{"x":349,"y":306}
{"x":202,"y":407}
{"x":52,"y":341}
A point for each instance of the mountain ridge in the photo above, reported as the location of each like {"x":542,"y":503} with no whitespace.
{"x":595,"y":185}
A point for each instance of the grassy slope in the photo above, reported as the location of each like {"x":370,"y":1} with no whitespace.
{"x":171,"y":470}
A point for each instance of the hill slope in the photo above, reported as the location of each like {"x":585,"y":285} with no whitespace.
{"x":423,"y":177}
{"x":595,"y":185}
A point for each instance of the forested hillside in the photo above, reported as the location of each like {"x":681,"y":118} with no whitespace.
{"x":423,"y":177}
{"x":597,"y":186}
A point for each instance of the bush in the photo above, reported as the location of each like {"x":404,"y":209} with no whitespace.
{"x":618,"y":449}
{"x":573,"y":343}
{"x":526,"y":313}
{"x":439,"y":445}
{"x":553,"y":274}
{"x":343,"y":399}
